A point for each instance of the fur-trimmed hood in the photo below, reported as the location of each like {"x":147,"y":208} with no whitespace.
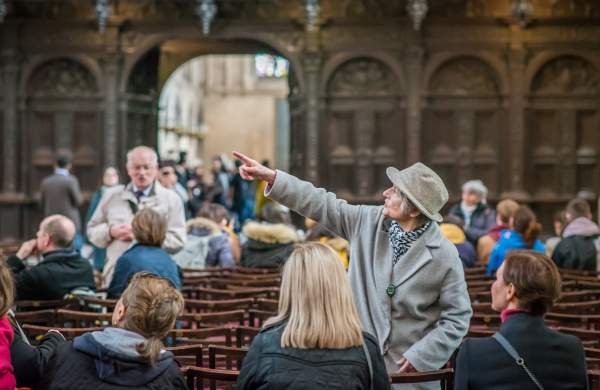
{"x":200,"y":224}
{"x":271,"y":233}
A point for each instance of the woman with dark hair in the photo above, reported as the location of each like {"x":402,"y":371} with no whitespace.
{"x":522,"y":235}
{"x":130,"y":353}
{"x":526,"y":286}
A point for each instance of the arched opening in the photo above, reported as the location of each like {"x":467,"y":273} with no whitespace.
{"x":209,"y":96}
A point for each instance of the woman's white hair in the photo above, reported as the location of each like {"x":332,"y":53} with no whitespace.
{"x":477,"y":187}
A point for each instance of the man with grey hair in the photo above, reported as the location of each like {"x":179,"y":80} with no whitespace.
{"x":408,"y":281}
{"x":110,"y":226}
{"x":61,"y":270}
{"x":474,"y":211}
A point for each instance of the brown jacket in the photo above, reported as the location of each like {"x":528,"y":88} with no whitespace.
{"x":117,"y":207}
{"x":61,"y":195}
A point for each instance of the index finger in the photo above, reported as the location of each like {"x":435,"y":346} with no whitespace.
{"x":243,"y":157}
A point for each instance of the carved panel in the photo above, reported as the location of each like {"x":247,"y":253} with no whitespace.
{"x":363,"y":77}
{"x":587,"y":149}
{"x":464,"y":76}
{"x":62,"y":77}
{"x":567,"y":75}
{"x":575,"y":8}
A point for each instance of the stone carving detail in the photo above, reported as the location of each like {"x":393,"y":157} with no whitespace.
{"x":464,"y":76}
{"x":567,"y":75}
{"x":62,"y":77}
{"x":364,"y":76}
{"x":574,"y":8}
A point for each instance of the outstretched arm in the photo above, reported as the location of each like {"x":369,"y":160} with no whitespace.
{"x":301,"y":196}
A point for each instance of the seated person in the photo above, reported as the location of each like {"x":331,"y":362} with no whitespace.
{"x":130,"y":354}
{"x":28,"y":361}
{"x":207,"y":245}
{"x":291,"y":352}
{"x":61,"y":269}
{"x":526,"y":286}
{"x":504,"y":210}
{"x":317,"y":232}
{"x":523,"y":232}
{"x":149,"y":231}
{"x":579,"y":247}
{"x":478,"y":217}
{"x":559,"y":221}
{"x":452,"y":229}
{"x":271,"y":241}
{"x":7,"y":376}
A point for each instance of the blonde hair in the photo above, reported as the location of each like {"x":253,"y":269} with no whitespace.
{"x":7,"y":291}
{"x":315,"y":301}
{"x":149,"y":227}
{"x":152,"y":305}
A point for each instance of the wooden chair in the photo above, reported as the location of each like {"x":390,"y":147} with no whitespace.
{"x":589,"y":338}
{"x":30,"y":305}
{"x":216,"y":294}
{"x":244,"y":335}
{"x":82,"y":319}
{"x":266,"y":304}
{"x":256,"y":318}
{"x":34,"y":331}
{"x":226,"y":354}
{"x":578,"y":296}
{"x":589,"y":321}
{"x":42,"y":317}
{"x":203,"y":305}
{"x":195,"y":377}
{"x":214,"y":319}
{"x":481,"y":332}
{"x":592,"y":353}
{"x":486,"y":319}
{"x":189,"y":355}
{"x":444,"y":376}
{"x":217,"y":335}
{"x":582,"y":307}
{"x":594,"y":379}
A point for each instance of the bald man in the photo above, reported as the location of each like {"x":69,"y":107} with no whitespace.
{"x":110,"y":226}
{"x":61,"y":269}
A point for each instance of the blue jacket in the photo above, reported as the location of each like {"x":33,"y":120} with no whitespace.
{"x":142,"y":258}
{"x":509,"y":240}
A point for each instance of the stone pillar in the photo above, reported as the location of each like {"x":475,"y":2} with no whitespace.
{"x":414,"y":74}
{"x":10,"y":76}
{"x":516,"y":113}
{"x":312,"y":75}
{"x":111,"y":62}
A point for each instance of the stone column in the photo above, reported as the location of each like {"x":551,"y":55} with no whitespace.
{"x":516,"y":113}
{"x":111,"y":62}
{"x":414,"y":74}
{"x":312,"y":72}
{"x":10,"y":76}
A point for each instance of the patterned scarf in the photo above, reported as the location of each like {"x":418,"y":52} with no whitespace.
{"x":401,"y":240}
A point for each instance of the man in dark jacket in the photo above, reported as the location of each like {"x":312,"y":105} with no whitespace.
{"x":580,"y":244}
{"x":60,"y":193}
{"x":28,"y":361}
{"x":61,"y":270}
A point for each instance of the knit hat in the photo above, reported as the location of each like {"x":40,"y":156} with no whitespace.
{"x":423,"y":187}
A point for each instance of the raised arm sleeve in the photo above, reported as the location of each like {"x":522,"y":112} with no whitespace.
{"x":318,"y":204}
{"x":176,"y":230}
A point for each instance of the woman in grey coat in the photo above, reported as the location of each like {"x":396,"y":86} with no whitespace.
{"x":407,"y":278}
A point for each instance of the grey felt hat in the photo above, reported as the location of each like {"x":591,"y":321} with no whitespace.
{"x":423,"y":187}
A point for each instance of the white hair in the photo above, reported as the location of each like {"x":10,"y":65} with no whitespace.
{"x":143,"y":148}
{"x":477,"y":187}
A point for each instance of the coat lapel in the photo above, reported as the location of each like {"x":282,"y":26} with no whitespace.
{"x":417,"y":256}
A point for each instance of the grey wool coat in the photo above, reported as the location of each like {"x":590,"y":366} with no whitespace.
{"x":429,"y":313}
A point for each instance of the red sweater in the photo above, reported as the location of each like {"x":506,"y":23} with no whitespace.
{"x":7,"y":377}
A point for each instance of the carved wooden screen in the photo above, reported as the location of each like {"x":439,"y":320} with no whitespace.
{"x":62,"y":114}
{"x":563,"y":129}
{"x":364,"y":127}
{"x":463,"y":125}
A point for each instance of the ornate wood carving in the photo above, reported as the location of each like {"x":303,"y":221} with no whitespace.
{"x":363,"y":77}
{"x":464,"y":76}
{"x":567,"y":75}
{"x":62,"y":77}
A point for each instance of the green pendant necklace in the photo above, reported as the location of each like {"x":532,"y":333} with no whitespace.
{"x":390,"y":290}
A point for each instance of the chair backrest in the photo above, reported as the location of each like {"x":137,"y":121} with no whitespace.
{"x":256,"y":318}
{"x":204,"y":305}
{"x":444,"y":376}
{"x":189,"y":355}
{"x":195,"y":377}
{"x":592,"y":353}
{"x":244,"y":335}
{"x":217,"y":335}
{"x":228,"y":354}
{"x":233,"y":317}
{"x":32,"y":331}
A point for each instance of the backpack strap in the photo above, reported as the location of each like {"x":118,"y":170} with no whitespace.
{"x":515,"y":355}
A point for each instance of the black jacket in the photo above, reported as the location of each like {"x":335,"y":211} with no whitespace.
{"x":28,"y":361}
{"x":576,"y":252}
{"x":60,"y":272}
{"x":556,"y":359}
{"x":73,"y":369}
{"x":268,"y":244}
{"x":269,"y":366}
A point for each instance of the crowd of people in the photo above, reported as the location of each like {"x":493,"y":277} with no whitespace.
{"x":376,"y":289}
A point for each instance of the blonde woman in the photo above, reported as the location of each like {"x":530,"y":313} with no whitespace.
{"x":315,"y":341}
{"x":128,"y":354}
